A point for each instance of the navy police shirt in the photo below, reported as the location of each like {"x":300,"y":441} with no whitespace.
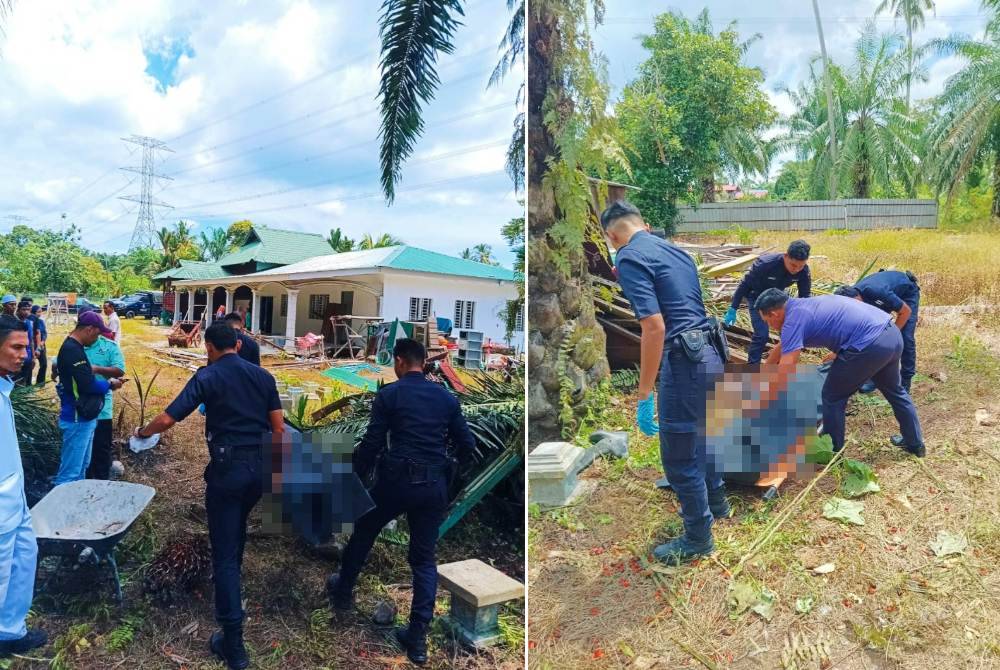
{"x":658,"y":277}
{"x":238,"y":397}
{"x":769,"y":271}
{"x":888,"y":290}
{"x":419,"y":418}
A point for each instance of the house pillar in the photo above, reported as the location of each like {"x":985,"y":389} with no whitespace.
{"x":293,"y":299}
{"x":209,"y":307}
{"x":177,"y":305}
{"x":190,"y":310}
{"x":229,"y":300}
{"x":255,"y":312}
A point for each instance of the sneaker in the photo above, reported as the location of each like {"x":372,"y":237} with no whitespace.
{"x":229,"y":647}
{"x":33,"y":639}
{"x":682,"y":550}
{"x":718,"y":504}
{"x":338,"y":600}
{"x":414,"y":641}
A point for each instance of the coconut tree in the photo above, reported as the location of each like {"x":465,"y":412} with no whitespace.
{"x":216,"y":245}
{"x":965,"y":131}
{"x":368,"y":241}
{"x":339,"y":242}
{"x":912,"y":13}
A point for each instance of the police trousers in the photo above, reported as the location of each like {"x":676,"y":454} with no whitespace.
{"x":908,"y":360}
{"x":683,"y":394}
{"x":232,"y":489}
{"x":761,"y":331}
{"x":879,"y":361}
{"x":424,"y":505}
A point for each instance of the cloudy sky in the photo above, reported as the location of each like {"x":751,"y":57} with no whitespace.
{"x":269,"y":107}
{"x":788,"y":31}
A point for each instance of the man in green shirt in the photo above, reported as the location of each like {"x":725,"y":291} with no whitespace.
{"x":108,"y":362}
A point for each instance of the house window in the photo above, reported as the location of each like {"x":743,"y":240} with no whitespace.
{"x":284,"y":305}
{"x":465,"y":311}
{"x":420,"y":309}
{"x":317,"y":306}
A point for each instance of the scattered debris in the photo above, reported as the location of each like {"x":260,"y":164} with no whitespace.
{"x":941,"y":376}
{"x":824,"y":569}
{"x":848,"y":511}
{"x":804,"y":604}
{"x":745,"y":596}
{"x":385,"y":613}
{"x":984,"y":418}
{"x":946,"y":544}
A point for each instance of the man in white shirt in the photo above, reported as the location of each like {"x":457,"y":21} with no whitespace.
{"x":114,"y":323}
{"x":18,"y":548}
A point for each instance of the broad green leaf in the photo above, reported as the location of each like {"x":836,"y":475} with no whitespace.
{"x":848,"y":511}
{"x":742,"y":596}
{"x":946,"y":544}
{"x":861,"y":479}
{"x":804,"y":604}
{"x":765,"y":604}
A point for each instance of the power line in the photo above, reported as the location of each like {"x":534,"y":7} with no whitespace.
{"x":648,"y":20}
{"x":328,"y":182}
{"x":326,"y":154}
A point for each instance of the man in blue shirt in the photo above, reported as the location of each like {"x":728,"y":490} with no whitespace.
{"x":108,"y":362}
{"x":247,"y":348}
{"x":898,"y":292}
{"x":661,"y":282}
{"x":81,"y":395}
{"x":863,"y":344}
{"x":34,"y":342}
{"x":43,"y":359}
{"x":417,"y":418}
{"x":770,"y":271}
{"x":242,"y":415}
{"x":18,"y":549}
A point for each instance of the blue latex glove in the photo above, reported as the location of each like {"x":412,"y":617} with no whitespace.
{"x":730,"y":317}
{"x":201,"y":408}
{"x":645,"y":416}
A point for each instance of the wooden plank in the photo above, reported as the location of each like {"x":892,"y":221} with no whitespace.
{"x":729,"y":267}
{"x":339,"y":403}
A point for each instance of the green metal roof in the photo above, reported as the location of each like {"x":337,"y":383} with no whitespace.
{"x":192,"y":270}
{"x":277,"y":247}
{"x":422,"y":260}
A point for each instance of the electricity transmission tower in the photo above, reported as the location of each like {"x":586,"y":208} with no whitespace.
{"x":17,"y":220}
{"x":144,"y":234}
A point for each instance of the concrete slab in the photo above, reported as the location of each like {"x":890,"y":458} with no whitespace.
{"x":552,"y":470}
{"x":479,"y":584}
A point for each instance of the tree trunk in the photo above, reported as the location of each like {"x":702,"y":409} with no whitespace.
{"x":708,"y":189}
{"x":995,"y":207}
{"x":559,"y":305}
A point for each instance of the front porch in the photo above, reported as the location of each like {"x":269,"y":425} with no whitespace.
{"x":284,"y":310}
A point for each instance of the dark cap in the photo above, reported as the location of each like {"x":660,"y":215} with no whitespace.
{"x":847,"y":291}
{"x":93,"y":319}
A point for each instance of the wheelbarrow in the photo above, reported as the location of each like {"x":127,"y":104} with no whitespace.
{"x":87,"y":518}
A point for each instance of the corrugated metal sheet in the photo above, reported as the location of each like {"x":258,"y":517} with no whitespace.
{"x":851,"y":214}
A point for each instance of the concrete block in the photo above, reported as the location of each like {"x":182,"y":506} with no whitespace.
{"x":552,"y":469}
{"x":477,"y":591}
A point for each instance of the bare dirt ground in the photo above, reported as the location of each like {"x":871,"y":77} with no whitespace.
{"x":288,"y":623}
{"x":598,"y":601}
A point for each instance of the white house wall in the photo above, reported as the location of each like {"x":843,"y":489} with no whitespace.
{"x":490,"y":296}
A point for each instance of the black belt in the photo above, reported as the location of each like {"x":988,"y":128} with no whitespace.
{"x":243,"y":452}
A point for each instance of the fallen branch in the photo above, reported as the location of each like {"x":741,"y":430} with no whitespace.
{"x":783,"y":516}
{"x":696,"y":655}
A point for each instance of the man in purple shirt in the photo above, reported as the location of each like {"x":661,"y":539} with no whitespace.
{"x":863,"y":344}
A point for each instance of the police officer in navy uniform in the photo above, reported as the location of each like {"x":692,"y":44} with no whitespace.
{"x":418,"y":418}
{"x":770,"y":271}
{"x":893,"y":291}
{"x":661,"y":282}
{"x":242,"y":415}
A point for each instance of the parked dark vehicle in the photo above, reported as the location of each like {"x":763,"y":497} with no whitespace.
{"x":141,"y":303}
{"x":83,"y":305}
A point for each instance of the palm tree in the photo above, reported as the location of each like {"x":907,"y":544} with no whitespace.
{"x":413,"y":33}
{"x":383,"y":240}
{"x":481,"y":253}
{"x":879,"y":140}
{"x":339,"y":241}
{"x":966,"y":128}
{"x":216,"y":245}
{"x":912,"y":13}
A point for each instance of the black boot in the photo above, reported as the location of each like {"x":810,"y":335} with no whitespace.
{"x":33,"y":639}
{"x":414,"y":641}
{"x":227,"y":644}
{"x":718,"y":504}
{"x":338,"y":599}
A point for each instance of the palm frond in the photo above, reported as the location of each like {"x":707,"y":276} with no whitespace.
{"x":413,"y":33}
